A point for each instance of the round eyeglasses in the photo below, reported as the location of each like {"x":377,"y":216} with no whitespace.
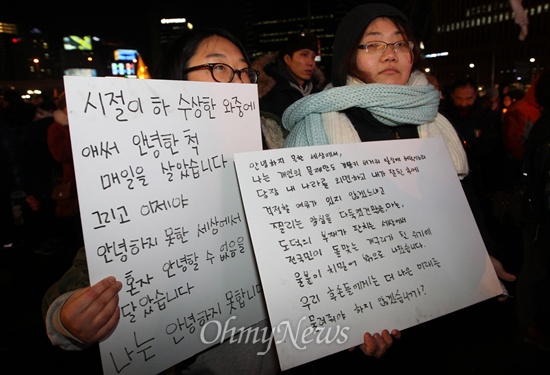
{"x":224,"y":73}
{"x":378,"y":47}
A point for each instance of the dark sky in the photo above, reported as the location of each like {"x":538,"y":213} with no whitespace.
{"x":112,"y":21}
{"x":88,"y":20}
{"x":129,"y":25}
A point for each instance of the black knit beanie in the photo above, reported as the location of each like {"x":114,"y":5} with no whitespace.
{"x":348,"y":32}
{"x":298,"y":42}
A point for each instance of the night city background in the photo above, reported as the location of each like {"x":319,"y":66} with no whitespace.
{"x":480,"y":37}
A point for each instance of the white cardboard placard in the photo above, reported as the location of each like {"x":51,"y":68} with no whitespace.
{"x":360,"y":237}
{"x":161,"y":211}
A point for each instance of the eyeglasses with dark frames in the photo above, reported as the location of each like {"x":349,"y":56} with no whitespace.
{"x":402,"y":46}
{"x":224,"y":73}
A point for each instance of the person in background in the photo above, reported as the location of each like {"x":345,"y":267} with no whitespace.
{"x":42,"y":171}
{"x":16,"y":199}
{"x":507,"y":101}
{"x":44,"y":105}
{"x":491,"y":100}
{"x":480,"y":131}
{"x":481,"y":134}
{"x":375,"y":60}
{"x":532,"y":284}
{"x":491,"y":103}
{"x":15,"y":205}
{"x":286,"y":76}
{"x":289,"y":74}
{"x":432,"y":79}
{"x":59,"y":139}
{"x":517,"y":122}
{"x":68,"y":224}
{"x":490,"y":168}
{"x":15,"y":111}
{"x":509,"y":95}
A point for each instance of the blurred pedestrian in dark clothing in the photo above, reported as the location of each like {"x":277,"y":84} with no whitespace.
{"x":15,"y":202}
{"x":530,"y":289}
{"x":432,"y":79}
{"x":17,"y":175}
{"x":15,"y":111}
{"x":480,"y":131}
{"x":490,"y":166}
{"x":491,"y":100}
{"x":65,"y":191}
{"x":42,"y":170}
{"x":59,"y":140}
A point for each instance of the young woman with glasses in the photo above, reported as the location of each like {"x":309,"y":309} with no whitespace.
{"x":78,"y":315}
{"x":207,"y":55}
{"x":378,"y":94}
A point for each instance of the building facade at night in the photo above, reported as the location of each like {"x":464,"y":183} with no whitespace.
{"x":469,"y":37}
{"x":481,"y":39}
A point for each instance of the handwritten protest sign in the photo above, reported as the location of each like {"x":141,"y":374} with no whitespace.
{"x":161,"y":211}
{"x":360,"y":238}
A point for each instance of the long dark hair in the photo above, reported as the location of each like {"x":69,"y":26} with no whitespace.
{"x":176,"y":57}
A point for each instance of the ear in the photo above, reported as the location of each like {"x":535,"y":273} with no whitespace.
{"x":287,"y":59}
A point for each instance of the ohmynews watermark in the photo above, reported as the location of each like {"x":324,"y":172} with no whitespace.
{"x":319,"y":335}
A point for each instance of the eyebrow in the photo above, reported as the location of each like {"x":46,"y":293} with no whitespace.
{"x":216,"y":55}
{"x":378,"y":33}
{"x":221,"y":55}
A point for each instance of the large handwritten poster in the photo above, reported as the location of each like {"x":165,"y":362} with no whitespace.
{"x":161,"y":211}
{"x":361,"y":237}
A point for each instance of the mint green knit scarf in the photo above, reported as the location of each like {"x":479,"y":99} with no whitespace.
{"x":415,"y":103}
